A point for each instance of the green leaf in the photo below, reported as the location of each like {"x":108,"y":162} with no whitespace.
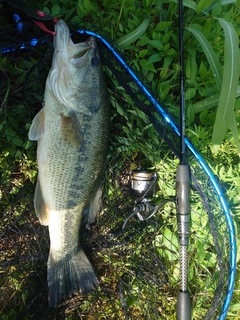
{"x":217,"y":9}
{"x":84,"y":6}
{"x":170,"y":240}
{"x":187,"y":3}
{"x":55,"y":10}
{"x":131,"y":300}
{"x":87,"y":5}
{"x":203,"y":5}
{"x":128,"y":39}
{"x":209,"y":52}
{"x":190,"y":93}
{"x":170,"y":52}
{"x":201,"y":250}
{"x":229,"y":82}
{"x":147,"y":66}
{"x":191,"y":67}
{"x":207,"y":103}
{"x":211,"y":102}
{"x":190,"y":114}
{"x":234,"y":129}
{"x":203,"y":70}
{"x":203,"y":116}
{"x":235,"y":307}
{"x":156,"y":44}
{"x":225,"y":2}
{"x":142,"y":53}
{"x":163,"y":25}
{"x":154,"y":58}
{"x":69,"y":14}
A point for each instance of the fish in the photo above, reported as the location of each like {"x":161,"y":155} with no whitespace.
{"x":71,"y":131}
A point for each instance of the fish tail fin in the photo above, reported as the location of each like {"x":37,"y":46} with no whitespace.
{"x":67,"y":277}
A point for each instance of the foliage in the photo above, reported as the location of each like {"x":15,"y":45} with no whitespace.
{"x":147,"y":32}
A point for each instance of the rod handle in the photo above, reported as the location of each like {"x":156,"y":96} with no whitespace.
{"x":182,"y":194}
{"x":183,"y":186}
{"x":183,"y":306}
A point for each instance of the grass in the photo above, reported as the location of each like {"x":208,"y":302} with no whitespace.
{"x":128,"y":270}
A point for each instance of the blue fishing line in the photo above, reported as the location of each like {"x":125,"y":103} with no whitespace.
{"x":199,"y":158}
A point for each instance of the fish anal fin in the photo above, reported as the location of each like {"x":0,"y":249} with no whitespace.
{"x":37,"y":127}
{"x":41,"y":208}
{"x":71,"y":129}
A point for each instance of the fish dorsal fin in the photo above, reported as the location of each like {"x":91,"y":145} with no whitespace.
{"x":37,"y":127}
{"x":41,"y":208}
{"x":65,"y":94}
{"x":71,"y":129}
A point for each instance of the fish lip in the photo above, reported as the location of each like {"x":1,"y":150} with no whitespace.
{"x":62,"y":34}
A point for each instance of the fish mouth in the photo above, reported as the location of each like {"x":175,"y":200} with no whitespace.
{"x":66,"y":50}
{"x":83,"y":52}
{"x":83,"y":48}
{"x":62,"y":37}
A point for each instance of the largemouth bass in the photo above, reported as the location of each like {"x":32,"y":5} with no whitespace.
{"x":72,"y":133}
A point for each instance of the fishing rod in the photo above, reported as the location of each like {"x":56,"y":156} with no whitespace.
{"x":182,"y":193}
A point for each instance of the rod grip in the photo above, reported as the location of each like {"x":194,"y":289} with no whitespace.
{"x":182,"y":186}
{"x":183,"y":306}
{"x":182,"y":195}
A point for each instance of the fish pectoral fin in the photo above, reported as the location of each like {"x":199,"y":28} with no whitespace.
{"x":41,"y":208}
{"x":71,"y":129}
{"x":37,"y":127}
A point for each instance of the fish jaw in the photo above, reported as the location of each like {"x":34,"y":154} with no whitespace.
{"x":75,"y":68}
{"x":64,"y":48}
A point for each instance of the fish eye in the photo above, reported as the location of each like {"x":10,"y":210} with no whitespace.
{"x":95,"y":62}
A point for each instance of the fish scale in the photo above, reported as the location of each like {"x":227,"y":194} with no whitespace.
{"x":72,"y":134}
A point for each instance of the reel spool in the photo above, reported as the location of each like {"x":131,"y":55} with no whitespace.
{"x":143,"y":184}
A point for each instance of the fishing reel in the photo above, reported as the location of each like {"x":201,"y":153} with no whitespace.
{"x":143,"y":187}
